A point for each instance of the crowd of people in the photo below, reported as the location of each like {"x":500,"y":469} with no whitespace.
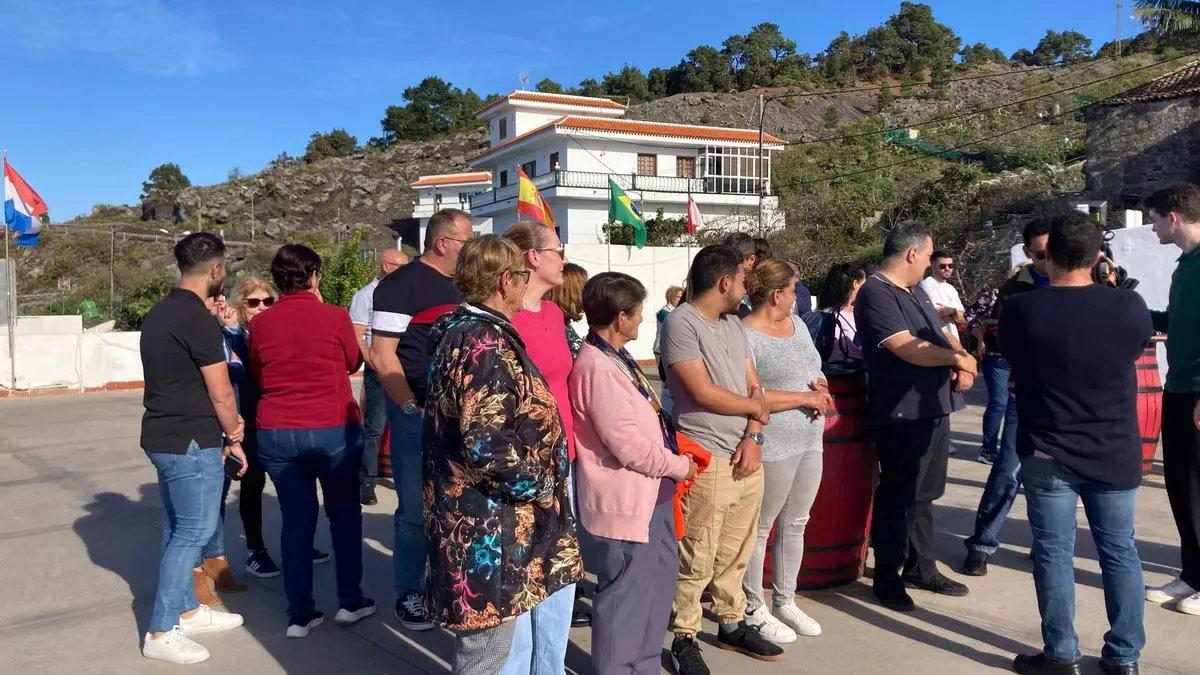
{"x":524,"y":454}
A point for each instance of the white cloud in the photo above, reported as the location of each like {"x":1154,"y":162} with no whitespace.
{"x":149,"y":36}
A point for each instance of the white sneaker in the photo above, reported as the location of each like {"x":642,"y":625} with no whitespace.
{"x":205,"y":620}
{"x":174,"y":647}
{"x":300,"y":630}
{"x":1176,"y":588}
{"x":769,"y":627}
{"x":795,"y":618}
{"x":1190,"y":604}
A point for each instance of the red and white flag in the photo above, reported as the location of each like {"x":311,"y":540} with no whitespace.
{"x":694,"y":221}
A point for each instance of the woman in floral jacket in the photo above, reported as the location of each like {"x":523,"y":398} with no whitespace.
{"x":500,"y":527}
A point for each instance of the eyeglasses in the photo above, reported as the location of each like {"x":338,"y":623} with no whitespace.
{"x":461,"y":241}
{"x":525,"y":273}
{"x":946,"y":266}
{"x":560,"y":250}
{"x":253,"y":303}
{"x":1039,"y":255}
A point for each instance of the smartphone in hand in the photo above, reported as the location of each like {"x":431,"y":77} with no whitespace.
{"x":233,"y":466}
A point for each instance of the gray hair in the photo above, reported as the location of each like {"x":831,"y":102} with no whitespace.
{"x":903,"y":236}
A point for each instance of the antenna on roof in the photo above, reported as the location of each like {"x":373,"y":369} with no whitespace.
{"x":524,"y":79}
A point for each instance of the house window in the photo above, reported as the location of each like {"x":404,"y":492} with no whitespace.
{"x":734,"y":170}
{"x":647,"y":165}
{"x":530,"y":168}
{"x":503,"y":128}
{"x":504,"y":178}
{"x":685,"y":167}
{"x":554,"y":161}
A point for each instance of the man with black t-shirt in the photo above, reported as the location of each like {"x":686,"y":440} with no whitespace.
{"x":406,"y":304}
{"x":1073,"y":346}
{"x":189,"y":401}
{"x":916,"y":369}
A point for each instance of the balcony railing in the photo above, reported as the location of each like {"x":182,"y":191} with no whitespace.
{"x":588,"y":179}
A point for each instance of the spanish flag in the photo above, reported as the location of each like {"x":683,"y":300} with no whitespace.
{"x":530,"y":202}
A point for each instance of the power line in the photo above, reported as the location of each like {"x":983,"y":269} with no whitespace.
{"x":955,"y":148}
{"x":923,"y":83}
{"x":949,"y":118}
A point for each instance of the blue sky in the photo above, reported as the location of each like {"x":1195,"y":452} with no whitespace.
{"x":99,"y":92}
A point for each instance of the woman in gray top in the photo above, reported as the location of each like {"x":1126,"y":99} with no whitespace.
{"x":790,"y":369}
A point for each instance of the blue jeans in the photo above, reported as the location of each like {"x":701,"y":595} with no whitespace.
{"x":1003,"y":482}
{"x":296,"y":459}
{"x":539,"y":645}
{"x":190,"y":487}
{"x":408,"y":551}
{"x":1051,"y":491}
{"x":540,"y":638}
{"x":374,"y":419}
{"x":1001,"y":406}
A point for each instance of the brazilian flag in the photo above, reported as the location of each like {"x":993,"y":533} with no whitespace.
{"x":621,"y":209}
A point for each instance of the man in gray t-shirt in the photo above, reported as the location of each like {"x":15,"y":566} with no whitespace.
{"x":721,"y":346}
{"x":719,"y":405}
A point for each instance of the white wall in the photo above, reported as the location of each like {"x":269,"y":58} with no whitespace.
{"x":1138,"y":251}
{"x":657,"y":268}
{"x":53,"y":351}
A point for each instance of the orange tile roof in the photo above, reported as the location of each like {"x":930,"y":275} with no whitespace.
{"x":454,"y":179}
{"x":1179,"y":83}
{"x":639,"y":127}
{"x":560,"y":99}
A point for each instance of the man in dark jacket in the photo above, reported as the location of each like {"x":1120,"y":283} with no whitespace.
{"x":1002,"y":482}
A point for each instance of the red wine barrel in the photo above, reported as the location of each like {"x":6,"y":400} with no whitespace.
{"x":835,"y":541}
{"x":385,"y":453}
{"x":1149,"y":405}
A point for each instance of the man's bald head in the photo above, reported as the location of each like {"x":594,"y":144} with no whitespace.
{"x":390,"y":259}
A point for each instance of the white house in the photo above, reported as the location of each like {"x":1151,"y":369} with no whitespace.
{"x":442,"y":191}
{"x":571,"y":145}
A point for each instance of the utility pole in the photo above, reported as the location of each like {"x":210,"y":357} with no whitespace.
{"x":252,"y":215}
{"x":1118,"y":28}
{"x":112,"y":263}
{"x":762,"y":185}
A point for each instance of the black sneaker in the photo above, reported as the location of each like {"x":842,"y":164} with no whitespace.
{"x":366,"y":495}
{"x":938,"y":583}
{"x":410,"y":610}
{"x":259,"y":564}
{"x":1118,"y":669}
{"x":891,"y":594}
{"x":320,"y":556}
{"x":1040,"y":664}
{"x":746,"y":640}
{"x":685,"y":654}
{"x":355,"y":611}
{"x":298,"y":627}
{"x":976,"y":564}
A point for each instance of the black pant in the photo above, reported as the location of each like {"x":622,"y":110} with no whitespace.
{"x":250,"y":497}
{"x":912,"y":474}
{"x":1181,"y":468}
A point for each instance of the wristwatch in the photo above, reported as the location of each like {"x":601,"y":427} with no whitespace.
{"x":410,"y":407}
{"x":755,"y":436}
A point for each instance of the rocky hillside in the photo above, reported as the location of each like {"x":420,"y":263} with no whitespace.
{"x":371,"y":188}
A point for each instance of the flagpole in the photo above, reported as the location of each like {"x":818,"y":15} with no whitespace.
{"x":10,"y":280}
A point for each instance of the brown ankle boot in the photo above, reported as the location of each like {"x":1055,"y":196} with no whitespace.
{"x":218,"y":570}
{"x":204,"y":589}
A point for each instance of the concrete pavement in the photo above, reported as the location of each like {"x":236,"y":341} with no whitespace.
{"x":80,"y":533}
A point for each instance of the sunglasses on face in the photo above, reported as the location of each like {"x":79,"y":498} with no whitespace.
{"x":1039,"y":255}
{"x":946,"y":266}
{"x":253,"y":303}
{"x":521,"y":273}
{"x":560,"y":250}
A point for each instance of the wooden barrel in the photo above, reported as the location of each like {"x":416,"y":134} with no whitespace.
{"x":1149,"y":405}
{"x":385,"y":453}
{"x":835,"y":541}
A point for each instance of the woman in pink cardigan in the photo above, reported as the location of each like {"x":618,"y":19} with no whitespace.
{"x":626,"y":467}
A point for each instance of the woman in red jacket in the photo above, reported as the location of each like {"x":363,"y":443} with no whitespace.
{"x":309,"y":430}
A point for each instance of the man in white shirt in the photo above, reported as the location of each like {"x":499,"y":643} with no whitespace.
{"x":374,"y":410}
{"x":944,"y":295}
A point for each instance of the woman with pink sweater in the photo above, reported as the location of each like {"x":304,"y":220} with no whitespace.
{"x":626,"y":467}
